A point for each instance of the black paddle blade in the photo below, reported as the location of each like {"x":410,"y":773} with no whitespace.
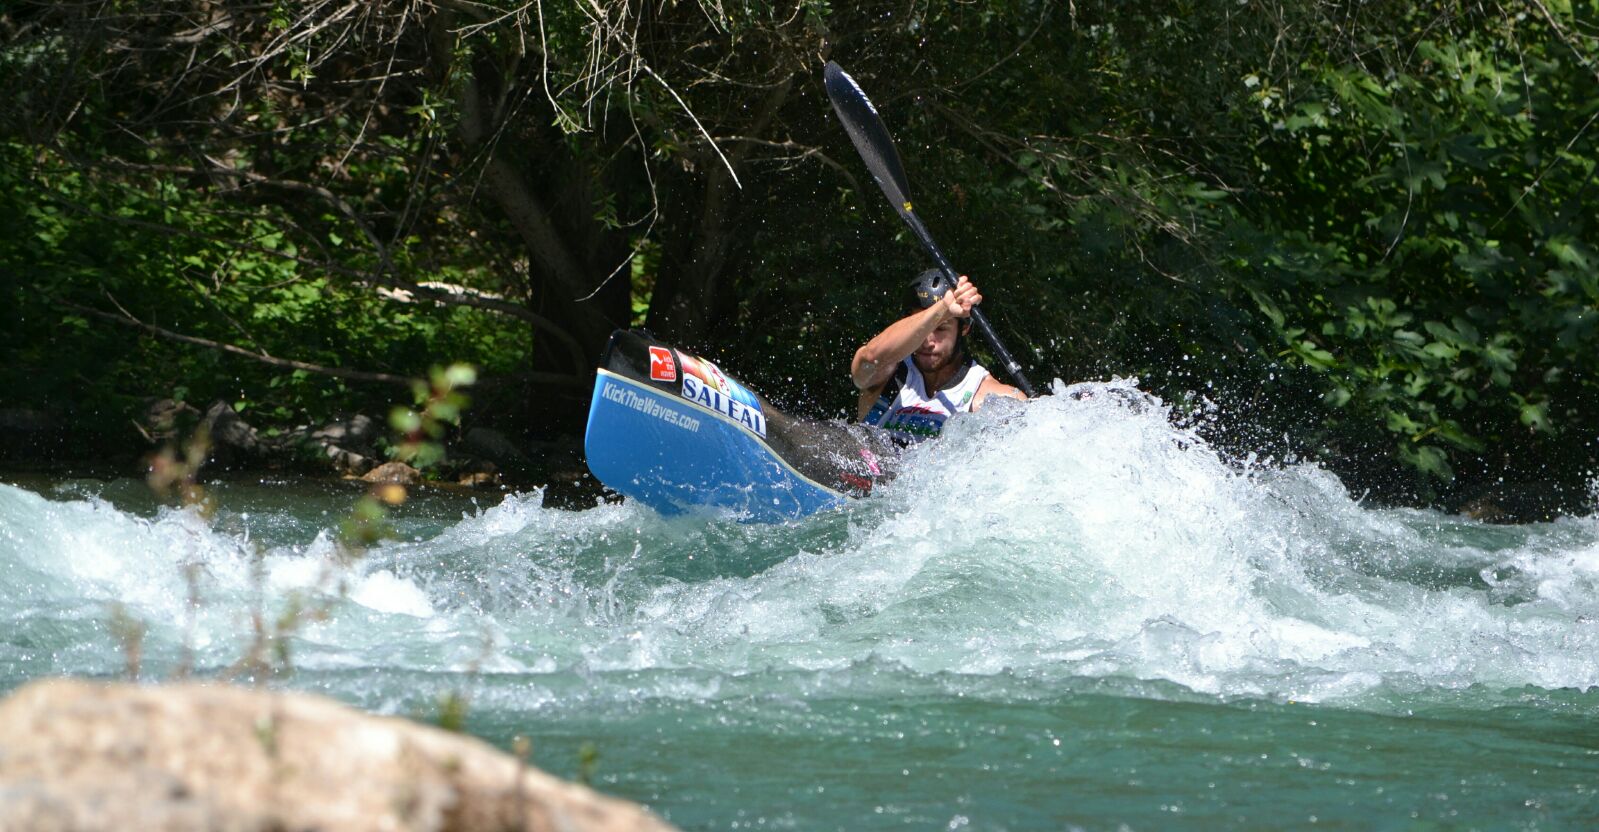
{"x":872,"y":141}
{"x":870,"y":136}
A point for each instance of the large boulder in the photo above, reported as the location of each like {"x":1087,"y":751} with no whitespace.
{"x":349,"y":463}
{"x":345,"y":446}
{"x":350,"y":444}
{"x":393,"y":472}
{"x":233,"y":440}
{"x":86,"y":757}
{"x":356,"y":434}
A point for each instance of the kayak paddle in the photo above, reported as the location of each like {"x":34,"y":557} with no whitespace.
{"x":872,"y":141}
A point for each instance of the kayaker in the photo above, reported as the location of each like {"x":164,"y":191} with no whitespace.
{"x":915,"y":374}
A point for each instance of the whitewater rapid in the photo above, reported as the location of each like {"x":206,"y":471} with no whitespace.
{"x":1080,"y":538}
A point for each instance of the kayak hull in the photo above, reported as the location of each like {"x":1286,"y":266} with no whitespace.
{"x":671,"y":431}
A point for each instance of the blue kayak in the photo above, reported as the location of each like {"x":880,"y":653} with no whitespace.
{"x":672,"y":431}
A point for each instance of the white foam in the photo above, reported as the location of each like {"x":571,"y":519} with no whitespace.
{"x":1076,"y":535}
{"x":1084,"y":525}
{"x":383,"y":592}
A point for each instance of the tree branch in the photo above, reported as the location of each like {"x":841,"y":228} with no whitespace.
{"x":263,"y":357}
{"x":449,"y":293}
{"x":128,"y":320}
{"x":474,"y":298}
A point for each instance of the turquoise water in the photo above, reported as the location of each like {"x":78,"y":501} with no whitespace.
{"x":1068,"y":614}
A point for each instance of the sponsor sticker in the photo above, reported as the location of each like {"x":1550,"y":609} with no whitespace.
{"x":649,"y":406}
{"x":748,"y":415}
{"x":706,"y":372}
{"x":855,"y":483}
{"x":662,"y":367}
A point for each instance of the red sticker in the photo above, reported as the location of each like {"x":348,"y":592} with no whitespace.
{"x":662,"y":367}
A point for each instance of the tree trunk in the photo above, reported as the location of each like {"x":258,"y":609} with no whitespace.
{"x":694,"y":297}
{"x":564,"y":274}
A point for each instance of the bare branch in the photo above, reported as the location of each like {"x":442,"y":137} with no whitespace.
{"x":127,"y":319}
{"x":452,"y":294}
{"x":684,"y":104}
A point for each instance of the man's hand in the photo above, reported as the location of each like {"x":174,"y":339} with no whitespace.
{"x":874,"y":362}
{"x":960,"y":300}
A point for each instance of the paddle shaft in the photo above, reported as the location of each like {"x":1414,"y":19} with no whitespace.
{"x":979,"y":321}
{"x":870,"y":137}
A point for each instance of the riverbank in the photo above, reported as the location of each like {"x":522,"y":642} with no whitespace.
{"x":218,"y":443}
{"x":478,"y":459}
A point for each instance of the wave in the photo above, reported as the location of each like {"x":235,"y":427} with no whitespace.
{"x":1076,"y":538}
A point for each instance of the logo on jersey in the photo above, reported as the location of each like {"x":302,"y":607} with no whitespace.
{"x":915,"y":422}
{"x":662,"y":367}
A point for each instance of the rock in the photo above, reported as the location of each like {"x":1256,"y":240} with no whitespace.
{"x":397,"y":472}
{"x":349,"y":463}
{"x":1485,"y":510}
{"x":287,"y":442}
{"x":478,"y":479}
{"x":355,"y":434}
{"x":575,"y":489}
{"x":347,"y":446}
{"x":232,"y":439}
{"x":1524,"y":502}
{"x":87,"y":757}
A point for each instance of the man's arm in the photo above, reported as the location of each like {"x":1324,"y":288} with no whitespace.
{"x":874,"y":363}
{"x":994,"y":387}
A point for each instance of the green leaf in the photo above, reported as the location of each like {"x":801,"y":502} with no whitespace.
{"x":460,"y":375}
{"x":1441,"y":351}
{"x":1535,"y":415}
{"x":404,"y":420}
{"x":1427,"y":459}
{"x":1400,"y":422}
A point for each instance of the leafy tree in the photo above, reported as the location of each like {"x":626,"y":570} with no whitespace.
{"x":1360,"y":225}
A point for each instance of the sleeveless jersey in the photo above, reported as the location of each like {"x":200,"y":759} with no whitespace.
{"x":910,"y":414}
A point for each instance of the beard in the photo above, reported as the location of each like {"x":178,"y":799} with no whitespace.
{"x":933,"y":363}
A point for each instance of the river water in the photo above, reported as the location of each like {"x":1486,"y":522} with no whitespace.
{"x":1065,"y":615}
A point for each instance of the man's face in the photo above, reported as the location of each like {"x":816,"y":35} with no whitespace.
{"x":938,"y":348}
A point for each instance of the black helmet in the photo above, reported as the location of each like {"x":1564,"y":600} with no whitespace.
{"x":927,"y":288}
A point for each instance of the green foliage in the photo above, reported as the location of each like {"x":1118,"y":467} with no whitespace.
{"x":588,"y":760}
{"x":453,"y":709}
{"x":1366,"y":227}
{"x":439,"y":403}
{"x":368,"y":522}
{"x":1438,"y":273}
{"x":178,"y":261}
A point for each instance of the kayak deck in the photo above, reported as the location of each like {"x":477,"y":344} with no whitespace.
{"x":672,"y":431}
